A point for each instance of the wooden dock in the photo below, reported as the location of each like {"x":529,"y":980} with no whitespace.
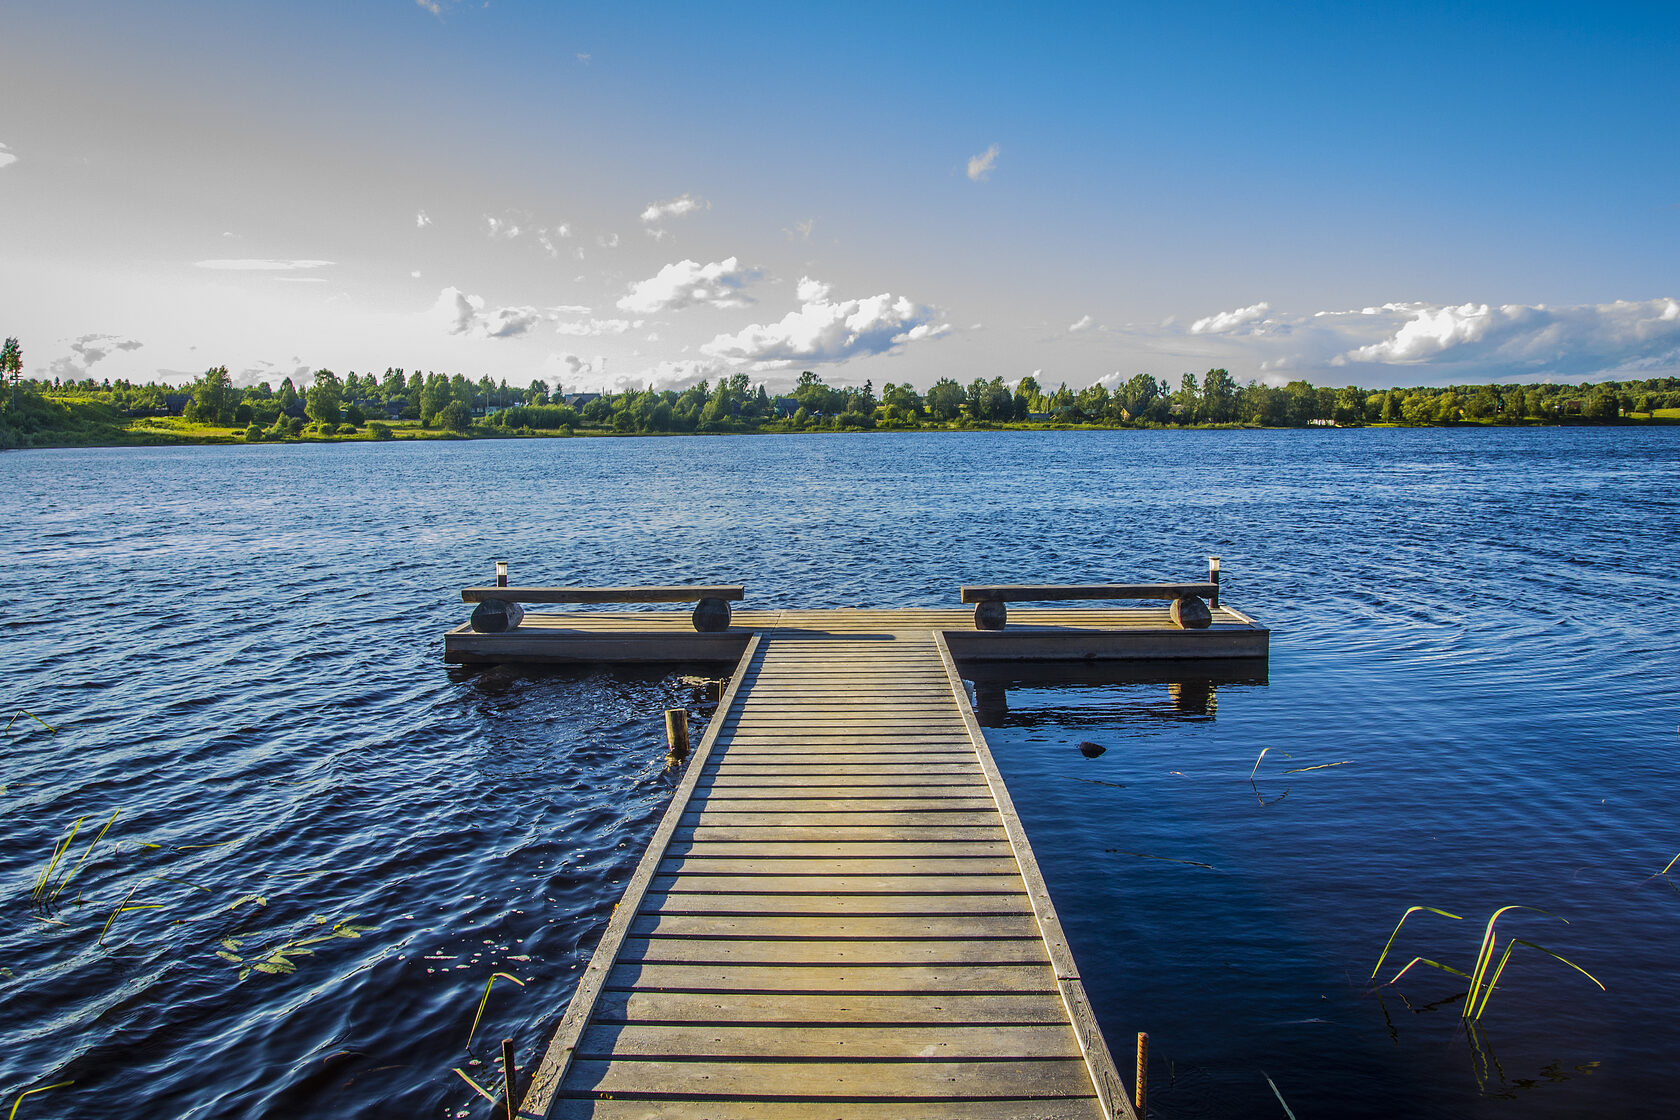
{"x":839,"y":916}
{"x":1045,"y":634}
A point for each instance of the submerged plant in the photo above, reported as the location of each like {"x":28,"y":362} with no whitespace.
{"x":51,"y":730}
{"x":278,"y":960}
{"x":1481,"y":984}
{"x":486,"y":999}
{"x":32,"y":1092}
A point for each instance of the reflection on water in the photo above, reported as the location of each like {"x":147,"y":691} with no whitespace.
{"x":1471,"y":703}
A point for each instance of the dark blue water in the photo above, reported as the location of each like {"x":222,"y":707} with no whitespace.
{"x":241,"y":648}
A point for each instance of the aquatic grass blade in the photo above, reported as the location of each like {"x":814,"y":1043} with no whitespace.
{"x":1515,"y":941}
{"x":58,"y":853}
{"x":1671,"y":864}
{"x":486,"y":999}
{"x":1432,"y":964}
{"x":1410,"y":910}
{"x":1286,"y":1109}
{"x":31,"y":1092}
{"x":1320,"y":766}
{"x":1256,"y":769}
{"x":1484,"y":956}
{"x":477,"y":1088}
{"x":64,"y":882}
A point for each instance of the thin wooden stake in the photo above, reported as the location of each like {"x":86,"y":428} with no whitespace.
{"x":676,"y":732}
{"x":508,"y":1072}
{"x":1143,"y":1074}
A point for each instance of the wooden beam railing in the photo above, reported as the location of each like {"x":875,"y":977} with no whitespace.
{"x":499,"y":608}
{"x":1188,"y":610}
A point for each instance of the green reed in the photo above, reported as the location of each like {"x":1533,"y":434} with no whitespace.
{"x":486,"y":999}
{"x":31,"y":1092}
{"x":1481,"y":983}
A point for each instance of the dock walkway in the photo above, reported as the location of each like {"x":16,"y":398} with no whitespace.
{"x":838,"y":917}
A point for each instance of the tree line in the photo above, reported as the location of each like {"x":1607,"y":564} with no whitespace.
{"x":371,"y":403}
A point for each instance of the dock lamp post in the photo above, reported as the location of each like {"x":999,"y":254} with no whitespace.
{"x":1213,"y":578}
{"x":501,"y":573}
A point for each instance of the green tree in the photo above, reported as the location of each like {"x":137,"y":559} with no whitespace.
{"x":286,"y":395}
{"x":1186,"y":403}
{"x":945,"y":399}
{"x":214,"y":395}
{"x":1391,"y":407}
{"x":456,"y":416}
{"x":1219,"y":396}
{"x":11,"y":362}
{"x":321,"y":402}
{"x":434,"y":395}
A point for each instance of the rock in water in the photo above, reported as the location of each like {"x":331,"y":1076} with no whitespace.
{"x":1092,"y":750}
{"x":1190,"y":613}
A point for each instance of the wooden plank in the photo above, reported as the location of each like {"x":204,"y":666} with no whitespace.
{"x":602,"y":594}
{"x":1050,"y":592}
{"x":795,"y":1080}
{"x":857,"y":831}
{"x":949,"y":819}
{"x":782,"y":1009}
{"x":902,"y":865}
{"x":853,"y":904}
{"x":855,"y":979}
{"x":786,"y":803}
{"x":838,"y":884}
{"x":995,"y":1108}
{"x":842,"y":1041}
{"x":833,"y":849}
{"x":801,"y":927}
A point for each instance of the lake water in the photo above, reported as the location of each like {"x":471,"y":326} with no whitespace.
{"x":241,"y":650}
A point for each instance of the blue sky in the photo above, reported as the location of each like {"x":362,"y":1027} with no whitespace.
{"x":624,"y":194}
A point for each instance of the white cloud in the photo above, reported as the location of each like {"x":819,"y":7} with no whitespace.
{"x":980,"y":166}
{"x":1584,"y":340}
{"x":415,"y":274}
{"x":607,"y":241}
{"x":459,"y":313}
{"x":801,"y":230}
{"x":255,"y":265}
{"x":7,"y":157}
{"x":501,"y":229}
{"x":1085,"y":323}
{"x":549,"y":237}
{"x":584,"y":57}
{"x":825,"y":330}
{"x":677,"y":207}
{"x":598,"y":326}
{"x":230,"y":235}
{"x":422,"y":220}
{"x":1230,"y":320}
{"x":688,"y":284}
{"x":87,"y":351}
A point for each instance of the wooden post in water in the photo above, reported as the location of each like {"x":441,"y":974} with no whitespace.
{"x":508,"y":1076}
{"x":1143,"y":1074}
{"x":676,"y":733}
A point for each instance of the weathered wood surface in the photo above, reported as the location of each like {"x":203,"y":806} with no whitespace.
{"x":839,"y":916}
{"x":1055,"y":592}
{"x":1062,"y":635}
{"x":601,"y":594}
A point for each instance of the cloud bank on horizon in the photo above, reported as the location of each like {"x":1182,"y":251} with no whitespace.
{"x":1468,"y":342}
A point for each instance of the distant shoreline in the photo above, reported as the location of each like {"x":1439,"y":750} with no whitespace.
{"x":172,"y":432}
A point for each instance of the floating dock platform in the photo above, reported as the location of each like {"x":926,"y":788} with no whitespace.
{"x":840,"y":915}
